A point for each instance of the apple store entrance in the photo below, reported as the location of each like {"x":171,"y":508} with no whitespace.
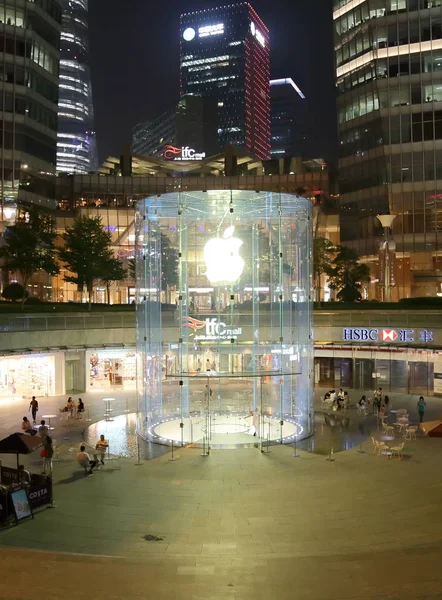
{"x":229,"y":362}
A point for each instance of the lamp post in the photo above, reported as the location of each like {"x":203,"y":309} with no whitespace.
{"x":386,"y":222}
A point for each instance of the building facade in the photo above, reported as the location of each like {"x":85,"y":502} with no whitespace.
{"x":389,"y":81}
{"x":288,"y":116}
{"x":29,"y":47}
{"x":76,"y":144}
{"x":192,"y":124}
{"x":150,"y":137}
{"x":225,"y":53}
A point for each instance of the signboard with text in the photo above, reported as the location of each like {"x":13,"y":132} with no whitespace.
{"x":387,"y":335}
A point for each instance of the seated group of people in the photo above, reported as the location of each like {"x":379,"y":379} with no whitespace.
{"x":338,"y":400}
{"x":84,"y":460}
{"x":71,"y":409}
{"x":42,"y":431}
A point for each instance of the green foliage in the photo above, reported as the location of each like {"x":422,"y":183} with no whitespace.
{"x":14,"y":292}
{"x":323,"y":251}
{"x":169,"y":264}
{"x":347,"y":275}
{"x":87,"y":253}
{"x":112,"y":270}
{"x":30,"y":245}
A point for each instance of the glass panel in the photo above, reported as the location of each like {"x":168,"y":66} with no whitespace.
{"x":232,"y":272}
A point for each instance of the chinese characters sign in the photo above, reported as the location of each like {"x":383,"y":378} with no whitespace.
{"x":368,"y":334}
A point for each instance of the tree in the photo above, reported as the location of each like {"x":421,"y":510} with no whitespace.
{"x":169,"y":264}
{"x":322,"y":259}
{"x":348,"y":274}
{"x":30,"y":246}
{"x":14,"y":292}
{"x":113,"y":270}
{"x":86,"y":253}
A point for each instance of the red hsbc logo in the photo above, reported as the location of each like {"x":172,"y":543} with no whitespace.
{"x":388,"y":335}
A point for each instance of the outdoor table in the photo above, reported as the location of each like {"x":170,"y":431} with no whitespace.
{"x":49,"y":417}
{"x":108,"y":410}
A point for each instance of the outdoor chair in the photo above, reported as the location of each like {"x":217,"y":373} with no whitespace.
{"x":362,"y":410}
{"x":410,"y":433}
{"x":388,"y":429}
{"x":397,"y":450}
{"x":402,"y":412}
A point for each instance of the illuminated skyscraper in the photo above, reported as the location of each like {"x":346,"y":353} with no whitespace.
{"x":225,"y":54}
{"x":76,"y":146}
{"x":389,"y":82}
{"x":29,"y":47}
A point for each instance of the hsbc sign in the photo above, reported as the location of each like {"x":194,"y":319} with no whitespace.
{"x":367,"y":334}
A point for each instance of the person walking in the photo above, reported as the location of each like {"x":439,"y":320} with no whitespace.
{"x":47,"y":453}
{"x":421,"y":408}
{"x":33,"y":407}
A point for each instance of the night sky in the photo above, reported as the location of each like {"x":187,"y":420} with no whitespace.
{"x":135,"y":61}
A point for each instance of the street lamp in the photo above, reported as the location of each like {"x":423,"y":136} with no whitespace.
{"x":387,"y":222}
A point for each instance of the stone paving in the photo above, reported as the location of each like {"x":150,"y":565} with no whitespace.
{"x":237,"y":525}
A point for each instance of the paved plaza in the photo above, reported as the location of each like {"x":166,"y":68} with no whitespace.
{"x":237,"y":524}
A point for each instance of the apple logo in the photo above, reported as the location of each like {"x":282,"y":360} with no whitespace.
{"x":224,"y":264}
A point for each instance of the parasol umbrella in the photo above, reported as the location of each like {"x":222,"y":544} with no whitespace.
{"x":20,"y":443}
{"x":432,"y":428}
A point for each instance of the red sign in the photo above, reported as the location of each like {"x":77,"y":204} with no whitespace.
{"x":389,"y":335}
{"x":194,"y":324}
{"x":171,"y":152}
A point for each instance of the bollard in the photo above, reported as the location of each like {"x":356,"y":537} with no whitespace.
{"x":295,"y":454}
{"x":360,"y":451}
{"x":173,"y":458}
{"x":88,"y":420}
{"x":330,"y":455}
{"x":127,"y":405}
{"x":205,"y":451}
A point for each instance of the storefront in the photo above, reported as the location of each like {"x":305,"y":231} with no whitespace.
{"x":32,"y":375}
{"x":112,"y":369}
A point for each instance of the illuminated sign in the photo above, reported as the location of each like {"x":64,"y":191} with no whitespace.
{"x":183,"y":153}
{"x":189,"y":34}
{"x":367,"y":334}
{"x":209,"y":30}
{"x":214,"y":329}
{"x":224,"y":264}
{"x":257,"y":34}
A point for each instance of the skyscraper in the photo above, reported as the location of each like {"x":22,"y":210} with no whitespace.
{"x":29,"y":43}
{"x":76,"y":146}
{"x":288,"y":118}
{"x":225,"y":53}
{"x":389,"y":80}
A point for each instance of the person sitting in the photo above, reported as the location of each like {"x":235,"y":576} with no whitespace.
{"x":80,"y":408}
{"x":362,"y":401}
{"x":102,"y":445}
{"x":70,"y":406}
{"x":346,"y":401}
{"x":27,"y":427}
{"x":85,"y":461}
{"x":43,"y":430}
{"x":24,"y":476}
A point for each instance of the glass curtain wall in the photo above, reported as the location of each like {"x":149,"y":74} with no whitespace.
{"x":230,"y":361}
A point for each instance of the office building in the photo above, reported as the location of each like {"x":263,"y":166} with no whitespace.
{"x":192,"y":124}
{"x":389,"y":81}
{"x":225,"y":54}
{"x":150,"y":137}
{"x":29,"y":43}
{"x":76,"y":146}
{"x":289,"y":127}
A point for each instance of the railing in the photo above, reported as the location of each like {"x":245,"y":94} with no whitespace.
{"x":15,"y":323}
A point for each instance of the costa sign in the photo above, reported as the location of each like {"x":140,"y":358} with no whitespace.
{"x":183,"y":153}
{"x":214,"y":329}
{"x":367,"y":334}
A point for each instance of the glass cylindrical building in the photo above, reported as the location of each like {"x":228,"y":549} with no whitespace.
{"x":229,"y":362}
{"x":76,"y":145}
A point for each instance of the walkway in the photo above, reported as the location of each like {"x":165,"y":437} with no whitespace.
{"x":237,"y":525}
